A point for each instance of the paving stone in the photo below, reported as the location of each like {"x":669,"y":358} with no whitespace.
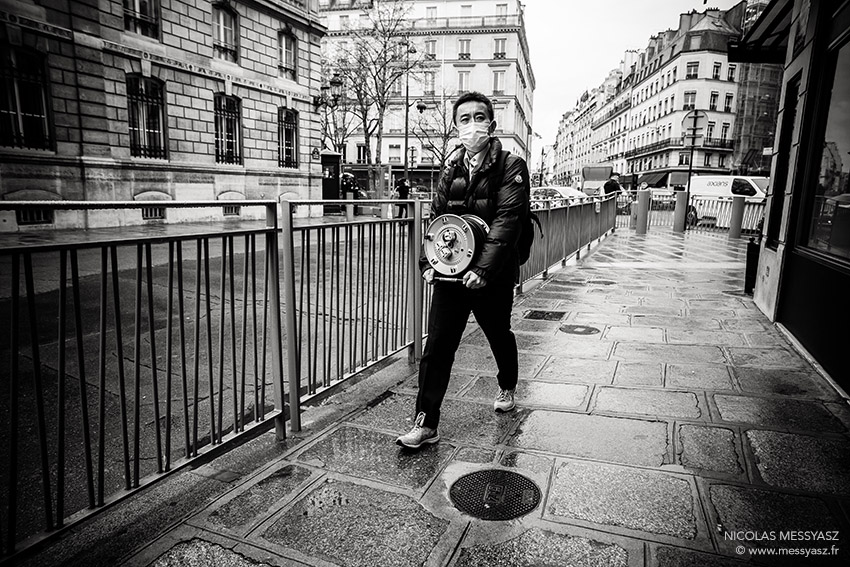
{"x":709,"y":448}
{"x":784,"y":382}
{"x":653,"y":310}
{"x":700,"y":337}
{"x":679,"y":557}
{"x":801,"y":462}
{"x":200,"y":553}
{"x":579,"y":347}
{"x":534,"y":326}
{"x":478,"y":359}
{"x":745,"y":324}
{"x":639,"y":374}
{"x":257,"y":499}
{"x":700,"y":313}
{"x":538,"y":547}
{"x":778,"y":413}
{"x":341,"y":522}
{"x":532,"y":392}
{"x":699,"y":376}
{"x":370,"y":454}
{"x":763,"y":339}
{"x":635,"y":334}
{"x":564,"y":369}
{"x":457,"y":382}
{"x":475,"y":455}
{"x":619,"y":440}
{"x":762,"y":357}
{"x":727,"y":303}
{"x":464,"y":422}
{"x":630,"y":498}
{"x":647,"y":402}
{"x":764,"y":512}
{"x":524,"y":341}
{"x":527,"y":461}
{"x":599,"y":319}
{"x":636,"y":352}
{"x":675,"y":322}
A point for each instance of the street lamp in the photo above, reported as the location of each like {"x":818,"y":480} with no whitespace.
{"x":330,"y":93}
{"x":409,"y":49}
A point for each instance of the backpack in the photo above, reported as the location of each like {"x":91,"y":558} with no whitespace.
{"x":526,"y":235}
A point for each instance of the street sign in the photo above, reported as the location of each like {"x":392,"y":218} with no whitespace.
{"x":315,"y":153}
{"x":693,"y":125}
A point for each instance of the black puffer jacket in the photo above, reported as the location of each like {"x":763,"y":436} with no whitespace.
{"x":501,"y":201}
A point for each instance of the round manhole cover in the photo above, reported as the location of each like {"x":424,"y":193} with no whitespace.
{"x":495,"y":494}
{"x":579,"y":330}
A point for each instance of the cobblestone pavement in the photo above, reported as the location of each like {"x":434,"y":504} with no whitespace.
{"x":664,"y":419}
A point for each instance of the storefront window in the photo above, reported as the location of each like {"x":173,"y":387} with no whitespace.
{"x":829,"y":229}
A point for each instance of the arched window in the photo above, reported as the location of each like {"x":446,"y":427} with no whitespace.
{"x":146,"y":116}
{"x":228,"y":129}
{"x":287,"y":131}
{"x":225,"y":32}
{"x":23,"y":99}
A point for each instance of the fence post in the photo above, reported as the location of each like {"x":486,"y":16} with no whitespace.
{"x":414,"y":284}
{"x":546,"y":244}
{"x":737,"y":219}
{"x":643,"y":211}
{"x":681,"y":211}
{"x":292,"y":370}
{"x":274,"y":306}
{"x":566,"y":238}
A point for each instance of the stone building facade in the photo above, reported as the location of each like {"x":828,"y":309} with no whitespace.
{"x":110,"y":100}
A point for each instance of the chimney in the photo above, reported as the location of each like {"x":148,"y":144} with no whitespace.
{"x":686,"y":21}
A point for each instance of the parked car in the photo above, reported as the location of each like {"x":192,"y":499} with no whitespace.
{"x":560,"y":196}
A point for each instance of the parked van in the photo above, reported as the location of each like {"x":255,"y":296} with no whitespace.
{"x":711,"y":196}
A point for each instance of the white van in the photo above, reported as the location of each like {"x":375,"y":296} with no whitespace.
{"x":711,"y":196}
{"x":728,"y":186}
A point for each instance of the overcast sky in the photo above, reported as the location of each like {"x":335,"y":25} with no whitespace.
{"x":574,"y":43}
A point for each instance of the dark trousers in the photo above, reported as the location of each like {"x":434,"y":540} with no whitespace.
{"x":450,"y":308}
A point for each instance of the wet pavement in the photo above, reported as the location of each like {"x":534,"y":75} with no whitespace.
{"x":664,"y":419}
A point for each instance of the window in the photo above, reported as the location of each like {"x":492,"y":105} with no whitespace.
{"x":502,"y":13}
{"x":142,"y":17}
{"x":498,"y":82}
{"x":499,"y":48}
{"x":146,"y":116}
{"x":231,"y":210}
{"x":228,"y":129}
{"x":731,"y":75}
{"x":23,"y":99}
{"x":33,"y":216}
{"x":724,"y":131}
{"x":727,"y":106}
{"x":712,"y":102}
{"x":709,"y":130}
{"x":721,"y":161}
{"x":153,"y":213}
{"x":715,"y":71}
{"x":288,"y":53}
{"x":395,"y":86}
{"x":462,"y":81}
{"x":684,"y":158}
{"x":395,"y":153}
{"x":690,"y":100}
{"x":674,"y":74}
{"x":463,"y":47}
{"x":344,"y":24}
{"x":430,"y":77}
{"x":695,"y":42}
{"x":287,"y":135}
{"x":707,"y":161}
{"x":430,"y":49}
{"x":431,"y":12}
{"x":361,"y":153}
{"x":741,"y":187}
{"x":829,"y":221}
{"x":692,"y":70}
{"x":225,"y":33}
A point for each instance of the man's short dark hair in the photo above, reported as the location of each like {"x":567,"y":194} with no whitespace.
{"x":615,"y":174}
{"x":472,"y":96}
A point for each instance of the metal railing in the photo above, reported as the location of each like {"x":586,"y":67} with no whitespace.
{"x":129,"y":356}
{"x":133,"y":353}
{"x":703,"y":214}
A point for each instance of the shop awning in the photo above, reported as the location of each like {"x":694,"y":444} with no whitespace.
{"x":767,"y":40}
{"x":678,"y":178}
{"x":652,"y":179}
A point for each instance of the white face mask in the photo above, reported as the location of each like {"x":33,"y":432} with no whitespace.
{"x":474,"y":136}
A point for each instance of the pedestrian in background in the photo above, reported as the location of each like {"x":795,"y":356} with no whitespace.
{"x":613,"y":184}
{"x":402,"y":189}
{"x":480,"y":179}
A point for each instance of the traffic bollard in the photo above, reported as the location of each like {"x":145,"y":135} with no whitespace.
{"x":644,"y":197}
{"x":680,"y":215}
{"x":737,"y":217}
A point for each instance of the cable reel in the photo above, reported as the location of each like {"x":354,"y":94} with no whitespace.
{"x":452,"y":243}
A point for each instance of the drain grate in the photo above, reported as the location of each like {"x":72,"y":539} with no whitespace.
{"x":495,"y":494}
{"x":578,"y":330}
{"x":541,"y":315}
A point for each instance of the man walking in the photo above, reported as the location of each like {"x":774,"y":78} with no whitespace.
{"x":613,"y":184}
{"x":482,"y":180}
{"x":402,"y":189}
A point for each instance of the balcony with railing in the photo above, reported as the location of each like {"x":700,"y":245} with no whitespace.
{"x":718,"y":143}
{"x":464,"y":22}
{"x":626,"y":104}
{"x":655,"y":146}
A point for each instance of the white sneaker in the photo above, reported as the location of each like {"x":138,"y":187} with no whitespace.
{"x":419,"y":435}
{"x":504,"y":401}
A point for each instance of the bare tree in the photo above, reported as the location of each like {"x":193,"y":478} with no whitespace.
{"x":379,"y":55}
{"x":435,"y":128}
